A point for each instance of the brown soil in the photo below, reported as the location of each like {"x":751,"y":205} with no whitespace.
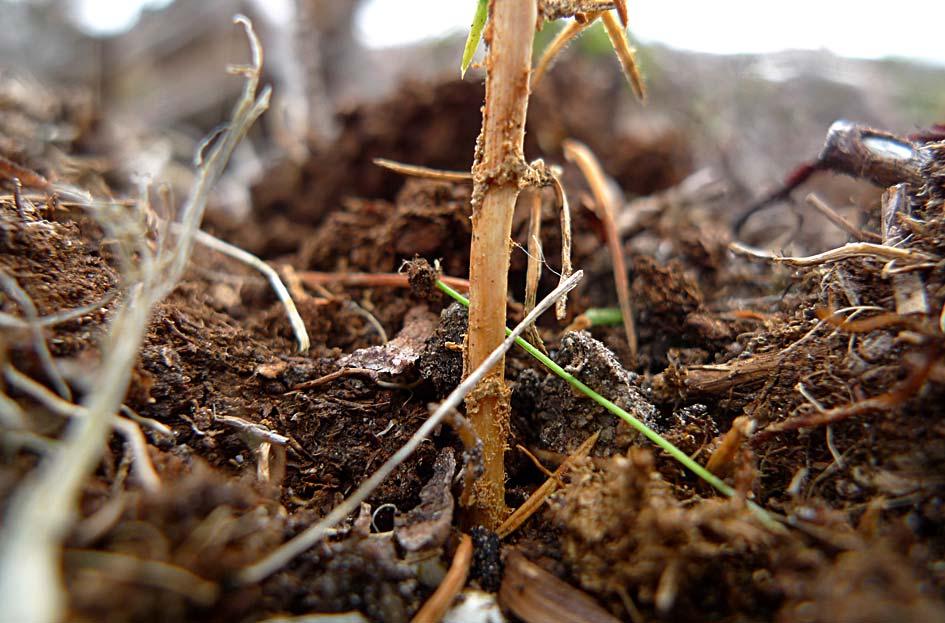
{"x":720,"y":336}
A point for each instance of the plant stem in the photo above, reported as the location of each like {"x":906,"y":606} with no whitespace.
{"x":497,"y":171}
{"x":766,"y":518}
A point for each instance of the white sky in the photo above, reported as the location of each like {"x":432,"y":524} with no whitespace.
{"x":869,"y":29}
{"x":864,"y":28}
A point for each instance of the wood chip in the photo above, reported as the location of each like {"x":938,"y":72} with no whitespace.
{"x":536,"y":596}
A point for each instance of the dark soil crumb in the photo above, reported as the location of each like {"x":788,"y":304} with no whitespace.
{"x":442,"y":362}
{"x":422,"y":278}
{"x":487,"y":561}
{"x":560,"y":419}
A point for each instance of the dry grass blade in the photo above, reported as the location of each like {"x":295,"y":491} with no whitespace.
{"x":606,"y":203}
{"x":561,"y":307}
{"x":535,"y":500}
{"x":391,"y":280}
{"x":532,"y":197}
{"x":313,"y":534}
{"x":413,"y":170}
{"x":298,"y":325}
{"x":18,"y":294}
{"x":439,"y":602}
{"x":561,"y":40}
{"x":42,"y":509}
{"x":626,"y":53}
{"x":847,"y":251}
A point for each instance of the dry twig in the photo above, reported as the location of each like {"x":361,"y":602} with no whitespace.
{"x":413,"y":170}
{"x":535,"y":500}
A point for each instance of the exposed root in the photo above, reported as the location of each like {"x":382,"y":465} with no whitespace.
{"x":298,"y":325}
{"x":128,"y":429}
{"x":150,"y":572}
{"x":821,"y":206}
{"x":822,"y":417}
{"x":42,"y":509}
{"x":8,"y":321}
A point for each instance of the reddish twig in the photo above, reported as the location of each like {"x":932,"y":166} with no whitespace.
{"x":439,"y":602}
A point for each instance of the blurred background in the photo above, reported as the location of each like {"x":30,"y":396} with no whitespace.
{"x":745,"y":87}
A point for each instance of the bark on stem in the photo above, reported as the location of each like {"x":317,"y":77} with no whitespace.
{"x":497,"y":171}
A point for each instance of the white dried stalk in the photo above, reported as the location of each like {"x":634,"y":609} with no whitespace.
{"x":42,"y":509}
{"x":311,"y":535}
{"x":847,"y":251}
{"x":128,"y":429}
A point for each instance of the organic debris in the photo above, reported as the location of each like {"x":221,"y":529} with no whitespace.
{"x":803,"y":368}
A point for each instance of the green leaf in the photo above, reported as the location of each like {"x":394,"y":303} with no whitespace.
{"x":475,"y":34}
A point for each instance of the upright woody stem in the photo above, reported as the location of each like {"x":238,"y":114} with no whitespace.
{"x":497,"y":171}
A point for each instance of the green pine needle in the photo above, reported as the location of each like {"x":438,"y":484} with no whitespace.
{"x":475,"y":34}
{"x":645,"y":430}
{"x":604,"y":316}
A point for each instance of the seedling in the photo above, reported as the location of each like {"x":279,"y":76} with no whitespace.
{"x":500,"y":172}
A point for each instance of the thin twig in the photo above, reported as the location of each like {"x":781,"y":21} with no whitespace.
{"x":313,"y":534}
{"x":392,"y":280}
{"x":413,"y":170}
{"x":606,"y":203}
{"x":821,"y":206}
{"x":439,"y":602}
{"x":534,"y":501}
